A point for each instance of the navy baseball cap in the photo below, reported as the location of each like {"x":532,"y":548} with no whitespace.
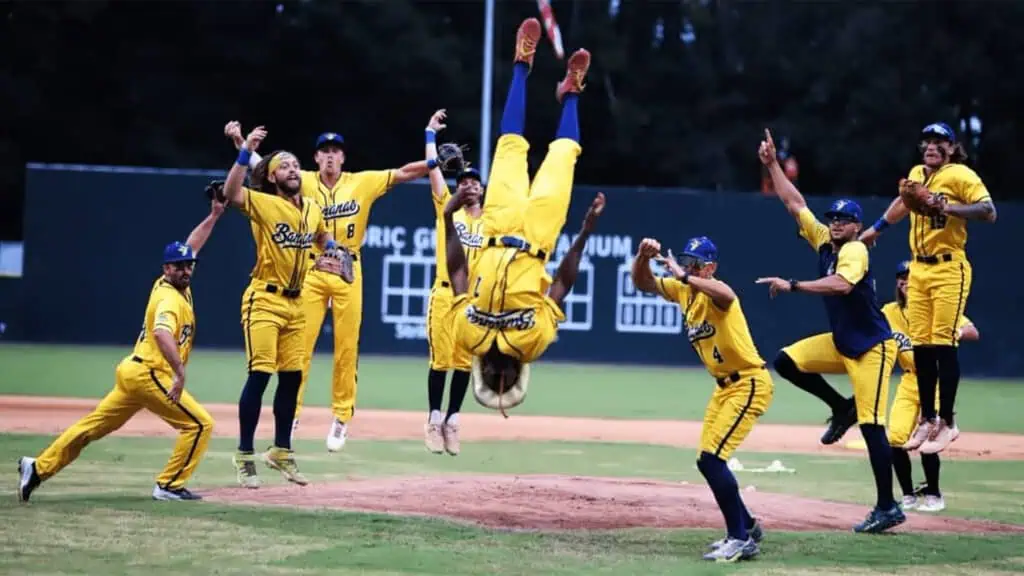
{"x":700,"y":250}
{"x":178,"y":252}
{"x":939,"y":130}
{"x":903,"y":268}
{"x":469,"y":173}
{"x":330,"y":138}
{"x":846,"y":209}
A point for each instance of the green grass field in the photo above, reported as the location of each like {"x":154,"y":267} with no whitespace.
{"x":96,"y":516}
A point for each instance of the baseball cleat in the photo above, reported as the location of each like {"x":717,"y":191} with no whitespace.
{"x":336,"y":436}
{"x":450,"y":431}
{"x":734,"y":550}
{"x":434,"y":438}
{"x":575,"y":71}
{"x":932,"y":503}
{"x":920,"y":435}
{"x":245,"y":466}
{"x":527,"y":38}
{"x":881,"y":520}
{"x":28,"y":480}
{"x":942,"y":435}
{"x":909,"y":502}
{"x":838,"y":424}
{"x":174,"y":494}
{"x":754,"y":532}
{"x":283,"y":460}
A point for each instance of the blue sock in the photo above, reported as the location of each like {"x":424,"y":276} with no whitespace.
{"x":513,"y":119}
{"x":727,"y":493}
{"x":249,"y":406}
{"x":569,"y":125}
{"x":880,"y":454}
{"x":285,"y":398}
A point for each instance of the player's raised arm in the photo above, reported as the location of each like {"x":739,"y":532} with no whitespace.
{"x":458,"y":268}
{"x":236,"y":176}
{"x":790,"y":196}
{"x":896,"y":211}
{"x":437,"y":184}
{"x":201,"y":233}
{"x":570,"y":266}
{"x":233,"y":130}
{"x":643,"y":278}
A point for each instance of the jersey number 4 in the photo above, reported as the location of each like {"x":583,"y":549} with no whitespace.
{"x":717,"y":355}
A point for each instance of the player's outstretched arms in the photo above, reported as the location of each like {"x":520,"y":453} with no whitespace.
{"x":233,"y":130}
{"x":570,"y":266}
{"x":790,"y":196}
{"x":435,"y":125}
{"x":458,"y":270}
{"x":721,"y":294}
{"x":236,"y":176}
{"x":896,"y":212}
{"x":201,"y":233}
{"x":643,"y":278}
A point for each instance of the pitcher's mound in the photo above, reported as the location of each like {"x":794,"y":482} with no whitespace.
{"x":563,"y":502}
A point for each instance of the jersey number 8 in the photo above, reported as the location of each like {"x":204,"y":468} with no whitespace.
{"x":351,"y":230}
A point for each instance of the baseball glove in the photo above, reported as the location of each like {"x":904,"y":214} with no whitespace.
{"x":919,"y":199}
{"x":338,"y":261}
{"x":216,"y":188}
{"x":451,"y":157}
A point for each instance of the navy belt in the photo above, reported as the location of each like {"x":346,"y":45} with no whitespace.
{"x":286,"y":292}
{"x":934,"y":259}
{"x":137,"y":359}
{"x":731,"y":378}
{"x":517,"y":243}
{"x":445,"y":284}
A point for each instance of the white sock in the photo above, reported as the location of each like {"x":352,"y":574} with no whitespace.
{"x":453,"y":419}
{"x":435,"y":416}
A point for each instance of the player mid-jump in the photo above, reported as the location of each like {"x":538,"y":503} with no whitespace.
{"x":507,"y":313}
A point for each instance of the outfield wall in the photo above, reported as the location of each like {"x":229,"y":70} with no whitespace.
{"x":94,"y":237}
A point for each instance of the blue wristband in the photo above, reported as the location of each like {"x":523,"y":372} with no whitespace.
{"x":431,"y":136}
{"x":432,"y":163}
{"x":331,"y":244}
{"x":243,"y":157}
{"x":881,"y":224}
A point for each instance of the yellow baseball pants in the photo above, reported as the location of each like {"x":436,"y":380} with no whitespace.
{"x":905,"y":411}
{"x":936,"y":298}
{"x":732,"y":412}
{"x":445,"y":354}
{"x":136,"y":387}
{"x":273,"y":326}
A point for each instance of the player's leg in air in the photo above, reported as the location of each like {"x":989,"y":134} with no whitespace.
{"x":803,"y":364}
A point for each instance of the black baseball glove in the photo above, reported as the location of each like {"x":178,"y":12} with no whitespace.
{"x":216,"y":188}
{"x":451,"y":157}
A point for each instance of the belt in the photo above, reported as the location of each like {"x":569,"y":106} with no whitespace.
{"x":517,"y":243}
{"x":934,"y":259}
{"x":286,"y":292}
{"x":137,"y":359}
{"x":354,"y":257}
{"x":445,"y":284}
{"x":731,"y":378}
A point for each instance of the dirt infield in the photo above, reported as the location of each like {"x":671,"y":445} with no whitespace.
{"x":534,"y":502}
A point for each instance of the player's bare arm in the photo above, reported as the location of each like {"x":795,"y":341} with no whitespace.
{"x":984,"y":211}
{"x":896,"y":212}
{"x":169,"y":349}
{"x":236,"y":176}
{"x":458,"y":271}
{"x":565,"y":277}
{"x":721,"y":294}
{"x":233,"y":130}
{"x":788,"y":193}
{"x":834,"y":285}
{"x":201,"y":233}
{"x":643,"y":278}
{"x":435,"y":125}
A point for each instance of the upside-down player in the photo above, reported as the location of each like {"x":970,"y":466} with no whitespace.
{"x":151,"y":378}
{"x":941,"y":275}
{"x":442,"y":434}
{"x":860,"y":343}
{"x":285,"y":226}
{"x":507,"y":313}
{"x":345,"y":199}
{"x":717,"y":329}
{"x":906,"y":406}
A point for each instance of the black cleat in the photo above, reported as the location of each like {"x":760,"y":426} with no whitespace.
{"x":838,"y":424}
{"x":28,"y":480}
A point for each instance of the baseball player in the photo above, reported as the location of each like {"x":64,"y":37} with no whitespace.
{"x":152,"y":377}
{"x":345,"y":199}
{"x":860,"y":343}
{"x":906,"y":406}
{"x":285,"y":226}
{"x":507,"y":313}
{"x":941,"y":274}
{"x":442,"y":434}
{"x":717,"y":329}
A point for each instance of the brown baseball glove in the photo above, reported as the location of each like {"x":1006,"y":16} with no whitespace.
{"x":338,"y":261}
{"x":919,"y":199}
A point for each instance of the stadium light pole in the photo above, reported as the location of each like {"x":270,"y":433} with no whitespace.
{"x":485,"y":103}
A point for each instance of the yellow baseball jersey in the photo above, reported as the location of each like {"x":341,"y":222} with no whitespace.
{"x":721,"y":338}
{"x":470,"y":235}
{"x":168,"y":309}
{"x":507,"y":303}
{"x":932,"y":235}
{"x":346,"y":205}
{"x":284,"y":235}
{"x":900,"y":325}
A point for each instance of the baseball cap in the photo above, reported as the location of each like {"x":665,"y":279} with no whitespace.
{"x":700,"y":250}
{"x":330,"y":138}
{"x":845,"y":208}
{"x":469,"y":173}
{"x":178,"y":252}
{"x":939,"y":130}
{"x":903,"y":268}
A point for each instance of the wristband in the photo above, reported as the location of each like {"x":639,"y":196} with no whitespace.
{"x":431,"y":136}
{"x":331,"y":244}
{"x":432,"y":163}
{"x":793,"y":286}
{"x":686,"y":278}
{"x":243,"y":157}
{"x":881,"y":224}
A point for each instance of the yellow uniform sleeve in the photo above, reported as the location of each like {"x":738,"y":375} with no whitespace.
{"x":254,"y":204}
{"x":375,"y":183}
{"x":672,"y":290}
{"x":972,"y":189}
{"x":166,"y":317}
{"x":441,"y":201}
{"x":811,"y":229}
{"x":852,"y":262}
{"x":321,"y":226}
